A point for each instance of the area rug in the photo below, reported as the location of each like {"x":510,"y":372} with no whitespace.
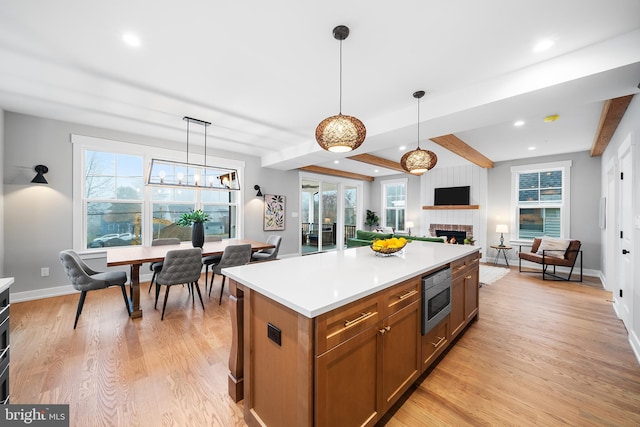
{"x":489,"y":274}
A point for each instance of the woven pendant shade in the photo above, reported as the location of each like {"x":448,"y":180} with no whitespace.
{"x":418,"y":161}
{"x":340,"y":133}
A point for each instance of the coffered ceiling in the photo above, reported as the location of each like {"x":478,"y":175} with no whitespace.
{"x":266,"y":73}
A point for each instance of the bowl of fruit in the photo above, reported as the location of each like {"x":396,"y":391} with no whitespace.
{"x":388,"y":247}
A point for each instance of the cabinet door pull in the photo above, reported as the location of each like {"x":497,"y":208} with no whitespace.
{"x":437,"y":344}
{"x":360,"y":318}
{"x":408,"y":294}
{"x":468,"y":277}
{"x":384,"y":330}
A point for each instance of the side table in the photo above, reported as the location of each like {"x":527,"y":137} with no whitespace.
{"x":502,"y":249}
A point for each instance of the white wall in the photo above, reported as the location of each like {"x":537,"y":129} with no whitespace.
{"x":2,"y":194}
{"x":629,"y":128}
{"x":457,"y":176}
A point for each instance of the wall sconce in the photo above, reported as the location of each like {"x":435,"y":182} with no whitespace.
{"x":39,"y":178}
{"x":259,"y":193}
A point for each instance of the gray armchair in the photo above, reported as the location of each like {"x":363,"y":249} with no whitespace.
{"x":181,"y":266}
{"x":157,"y":266}
{"x":85,"y":279}
{"x":232,"y":256}
{"x":268,"y":254}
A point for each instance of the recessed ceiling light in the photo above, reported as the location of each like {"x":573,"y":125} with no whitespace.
{"x":402,"y":147}
{"x":376,"y":170}
{"x":336,"y":161}
{"x":531,"y":148}
{"x":543,"y":45}
{"x":519,"y":123}
{"x":131,"y":39}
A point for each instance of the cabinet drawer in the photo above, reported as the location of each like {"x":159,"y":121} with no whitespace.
{"x":339,"y":325}
{"x":402,"y":295}
{"x":462,"y":265}
{"x":434,"y":342}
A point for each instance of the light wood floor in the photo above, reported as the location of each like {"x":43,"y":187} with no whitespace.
{"x":542,"y":353}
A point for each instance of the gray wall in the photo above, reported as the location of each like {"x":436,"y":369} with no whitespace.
{"x":38,"y":218}
{"x":585,"y":197}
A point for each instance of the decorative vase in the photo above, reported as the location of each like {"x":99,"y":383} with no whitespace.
{"x":197,"y":234}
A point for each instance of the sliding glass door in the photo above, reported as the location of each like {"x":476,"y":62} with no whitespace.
{"x":329,"y":213}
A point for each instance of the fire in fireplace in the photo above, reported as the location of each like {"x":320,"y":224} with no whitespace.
{"x":453,"y":236}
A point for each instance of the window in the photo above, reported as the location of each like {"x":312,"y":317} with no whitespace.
{"x":113,"y":207}
{"x":541,"y":195}
{"x":394,"y":201}
{"x":113,"y":199}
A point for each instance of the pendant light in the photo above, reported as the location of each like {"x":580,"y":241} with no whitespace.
{"x":418,"y":161}
{"x":171,"y":173}
{"x":340,"y":133}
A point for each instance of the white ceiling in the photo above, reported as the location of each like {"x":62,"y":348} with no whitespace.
{"x":265,"y":73}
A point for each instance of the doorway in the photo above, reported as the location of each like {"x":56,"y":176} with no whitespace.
{"x":329,"y":213}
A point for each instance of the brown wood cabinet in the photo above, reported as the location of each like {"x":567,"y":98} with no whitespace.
{"x":359,"y":378}
{"x":434,"y":342}
{"x":347,"y":366}
{"x":464,"y":292}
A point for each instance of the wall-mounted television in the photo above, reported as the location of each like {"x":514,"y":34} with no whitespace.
{"x":451,"y":196}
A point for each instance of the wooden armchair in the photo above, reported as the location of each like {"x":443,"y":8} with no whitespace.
{"x":551,"y":257}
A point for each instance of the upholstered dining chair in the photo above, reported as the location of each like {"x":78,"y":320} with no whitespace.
{"x":85,"y":279}
{"x":268,"y":254}
{"x":181,"y":266}
{"x":232,"y":256}
{"x":157,"y":266}
{"x":210,"y":260}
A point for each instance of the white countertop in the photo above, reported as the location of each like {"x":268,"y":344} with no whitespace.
{"x":5,"y":282}
{"x":315,"y":284}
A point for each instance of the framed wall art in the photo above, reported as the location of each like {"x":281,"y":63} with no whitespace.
{"x":274,"y":212}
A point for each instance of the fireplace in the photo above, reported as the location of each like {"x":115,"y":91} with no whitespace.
{"x":453,"y":236}
{"x":457,"y":231}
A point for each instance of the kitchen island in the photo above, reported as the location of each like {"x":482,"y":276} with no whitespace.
{"x":335,"y":338}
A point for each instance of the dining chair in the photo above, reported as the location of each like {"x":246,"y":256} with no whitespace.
{"x":232,"y":256}
{"x":210,"y":260}
{"x":157,"y":266}
{"x":181,"y":266}
{"x":268,"y":254}
{"x":85,"y":279}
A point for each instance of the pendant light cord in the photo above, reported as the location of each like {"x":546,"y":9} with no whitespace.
{"x":340,"y":106}
{"x":418,"y":123}
{"x":188,"y":141}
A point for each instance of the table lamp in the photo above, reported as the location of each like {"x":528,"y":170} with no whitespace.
{"x":408,"y":225}
{"x":502,"y":228}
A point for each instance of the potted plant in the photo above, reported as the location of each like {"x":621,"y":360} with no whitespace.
{"x":372,"y":219}
{"x":196,"y":219}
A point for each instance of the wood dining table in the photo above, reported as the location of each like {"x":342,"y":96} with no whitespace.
{"x":135,"y":256}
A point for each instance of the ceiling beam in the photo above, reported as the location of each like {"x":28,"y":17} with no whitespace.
{"x":612,"y":112}
{"x":462,"y":149}
{"x":335,"y":172}
{"x":378,"y":161}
